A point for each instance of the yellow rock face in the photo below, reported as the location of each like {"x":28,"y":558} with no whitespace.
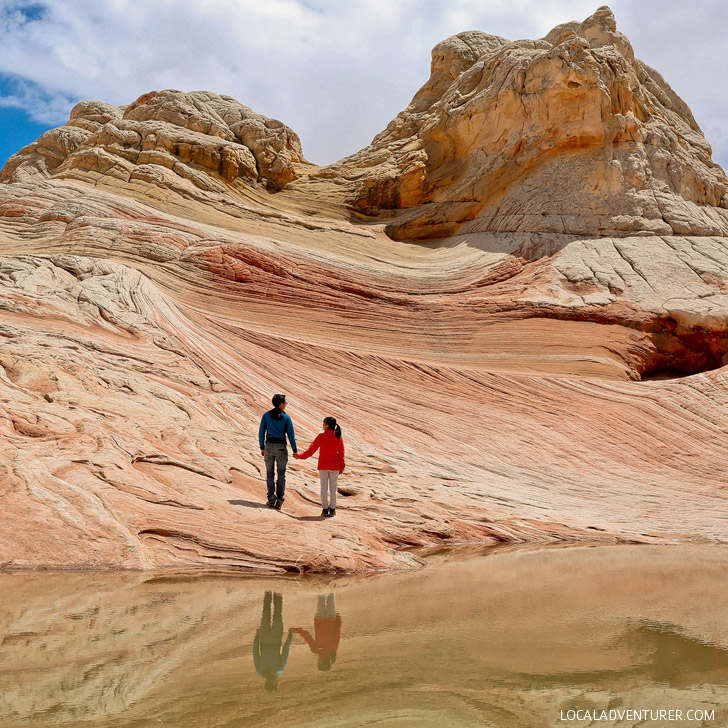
{"x":568,"y":134}
{"x":203,"y":139}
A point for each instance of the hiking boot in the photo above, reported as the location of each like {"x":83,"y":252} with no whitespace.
{"x":271,"y":503}
{"x":331,"y":513}
{"x":278,"y":505}
{"x":325,"y":511}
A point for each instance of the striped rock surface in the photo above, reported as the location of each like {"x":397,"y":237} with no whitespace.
{"x":492,"y":385}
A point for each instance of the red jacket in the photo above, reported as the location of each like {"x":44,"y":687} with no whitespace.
{"x":331,"y":456}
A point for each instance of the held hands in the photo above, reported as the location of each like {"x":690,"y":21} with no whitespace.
{"x":296,"y":456}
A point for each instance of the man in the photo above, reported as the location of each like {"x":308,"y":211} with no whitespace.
{"x":275,"y":426}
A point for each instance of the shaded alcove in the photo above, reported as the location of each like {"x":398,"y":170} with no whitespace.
{"x":678,"y":353}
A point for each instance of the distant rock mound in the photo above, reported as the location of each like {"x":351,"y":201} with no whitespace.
{"x":567,"y":134}
{"x":168,"y":138}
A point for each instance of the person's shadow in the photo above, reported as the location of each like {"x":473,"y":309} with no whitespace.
{"x":270,"y":660}
{"x":252,"y":504}
{"x":248,"y":504}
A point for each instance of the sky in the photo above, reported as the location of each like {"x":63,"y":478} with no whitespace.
{"x":335,"y":71}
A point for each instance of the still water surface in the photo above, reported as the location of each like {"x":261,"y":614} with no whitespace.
{"x":509,"y":638}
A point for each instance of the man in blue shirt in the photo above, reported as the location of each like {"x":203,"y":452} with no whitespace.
{"x":275,"y":426}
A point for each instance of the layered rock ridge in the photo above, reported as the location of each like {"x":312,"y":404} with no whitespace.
{"x":567,"y":148}
{"x":165,"y":267}
{"x":180,"y":141}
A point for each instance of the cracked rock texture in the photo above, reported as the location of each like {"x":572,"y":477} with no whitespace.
{"x":167,"y":137}
{"x":165,"y":267}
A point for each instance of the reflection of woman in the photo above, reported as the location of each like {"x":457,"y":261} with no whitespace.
{"x":269,"y":659}
{"x":327,"y":631}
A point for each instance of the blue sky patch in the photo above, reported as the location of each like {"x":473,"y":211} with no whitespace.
{"x":29,"y":12}
{"x":17,"y":130}
{"x":26,"y":111}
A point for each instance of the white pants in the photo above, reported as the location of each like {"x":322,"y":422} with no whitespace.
{"x":329,"y":478}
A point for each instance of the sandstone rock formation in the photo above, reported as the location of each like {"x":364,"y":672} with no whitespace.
{"x":166,"y":266}
{"x":178,"y":140}
{"x":567,"y":134}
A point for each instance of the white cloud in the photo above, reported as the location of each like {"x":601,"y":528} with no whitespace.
{"x":335,"y":71}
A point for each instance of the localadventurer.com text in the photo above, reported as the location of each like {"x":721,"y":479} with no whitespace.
{"x":652,"y":714}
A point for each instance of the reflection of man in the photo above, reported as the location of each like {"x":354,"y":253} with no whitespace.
{"x":327,"y":631}
{"x":269,"y":659}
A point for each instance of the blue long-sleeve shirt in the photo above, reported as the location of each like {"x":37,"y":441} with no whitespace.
{"x":277,"y":428}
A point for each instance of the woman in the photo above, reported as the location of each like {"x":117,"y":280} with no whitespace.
{"x":331,"y":462}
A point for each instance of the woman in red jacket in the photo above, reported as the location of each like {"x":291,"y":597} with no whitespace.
{"x":330,"y":463}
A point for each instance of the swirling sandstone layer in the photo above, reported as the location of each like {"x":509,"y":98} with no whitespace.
{"x":168,"y":265}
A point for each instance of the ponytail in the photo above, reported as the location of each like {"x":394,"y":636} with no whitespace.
{"x":331,"y":423}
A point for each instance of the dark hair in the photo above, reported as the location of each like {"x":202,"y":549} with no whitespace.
{"x":331,"y":422}
{"x":278,"y":399}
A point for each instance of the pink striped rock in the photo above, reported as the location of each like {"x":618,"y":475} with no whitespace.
{"x":513,"y":301}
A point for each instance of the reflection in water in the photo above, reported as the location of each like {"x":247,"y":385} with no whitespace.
{"x":327,"y":631}
{"x":503,"y":640}
{"x":270,"y":660}
{"x":676,"y":659}
{"x":660,"y":655}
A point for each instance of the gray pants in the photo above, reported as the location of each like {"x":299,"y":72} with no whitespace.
{"x":276,"y":457}
{"x":329,"y":478}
